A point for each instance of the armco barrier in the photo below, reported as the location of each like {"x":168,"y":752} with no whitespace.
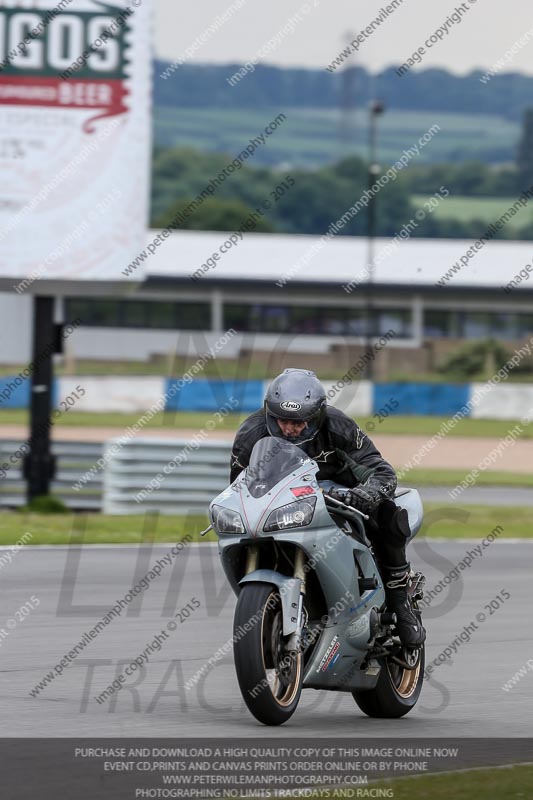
{"x":186,"y":487}
{"x":73,"y":460}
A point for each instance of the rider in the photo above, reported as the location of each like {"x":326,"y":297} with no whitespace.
{"x":295,"y":409}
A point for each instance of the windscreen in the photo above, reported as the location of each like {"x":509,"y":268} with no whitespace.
{"x":272,"y":459}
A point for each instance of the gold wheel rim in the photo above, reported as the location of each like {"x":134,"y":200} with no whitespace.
{"x":408,"y":681}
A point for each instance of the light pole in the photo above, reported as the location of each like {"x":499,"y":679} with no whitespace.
{"x":375,"y":108}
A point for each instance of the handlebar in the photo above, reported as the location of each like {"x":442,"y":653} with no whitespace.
{"x":341,"y":507}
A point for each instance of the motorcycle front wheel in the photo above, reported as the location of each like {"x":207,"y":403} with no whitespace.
{"x":269,"y":678}
{"x":397,"y":690}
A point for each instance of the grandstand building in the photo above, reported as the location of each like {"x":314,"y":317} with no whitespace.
{"x":288,"y":294}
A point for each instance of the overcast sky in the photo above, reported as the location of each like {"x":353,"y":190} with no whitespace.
{"x":487,"y":31}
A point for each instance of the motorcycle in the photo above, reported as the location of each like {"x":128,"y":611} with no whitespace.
{"x":311,"y":610}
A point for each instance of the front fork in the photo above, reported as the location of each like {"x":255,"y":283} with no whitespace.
{"x":294,"y":644}
{"x":294,"y":641}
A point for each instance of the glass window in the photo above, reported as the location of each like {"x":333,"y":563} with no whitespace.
{"x":396,"y":319}
{"x":525,"y":324}
{"x":504,"y":326}
{"x":276,"y":319}
{"x":75,"y":309}
{"x":193,"y":316}
{"x":356,"y":325}
{"x":315,"y":320}
{"x":306,"y":320}
{"x":334,"y":321}
{"x":101,"y":312}
{"x":121,"y":313}
{"x":134,"y":314}
{"x":475,"y":325}
{"x":437,"y":323}
{"x":162,"y":315}
{"x":237,"y":316}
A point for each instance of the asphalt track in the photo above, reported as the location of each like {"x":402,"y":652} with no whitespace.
{"x":76,"y":586}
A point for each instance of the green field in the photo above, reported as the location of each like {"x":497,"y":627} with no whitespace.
{"x":100,"y":529}
{"x":488,"y":209}
{"x":392,"y":426}
{"x":311,"y":137}
{"x":503,"y":783}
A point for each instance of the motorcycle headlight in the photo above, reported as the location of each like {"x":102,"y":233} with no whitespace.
{"x":227,"y":521}
{"x":294,"y":515}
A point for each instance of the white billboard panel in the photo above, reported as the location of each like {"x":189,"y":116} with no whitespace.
{"x":75,"y":139}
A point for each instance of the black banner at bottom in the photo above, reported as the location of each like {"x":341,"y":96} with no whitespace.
{"x":127,"y":769}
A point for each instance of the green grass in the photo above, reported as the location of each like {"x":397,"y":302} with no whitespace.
{"x":101,"y":529}
{"x":158,"y":366}
{"x":171,"y":420}
{"x":504,"y":783}
{"x":488,"y":209}
{"x":516,"y":521}
{"x":451,"y":477}
{"x":310,"y":137}
{"x":393,"y":425}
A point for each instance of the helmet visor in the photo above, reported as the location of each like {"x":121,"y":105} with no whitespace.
{"x":293,"y":430}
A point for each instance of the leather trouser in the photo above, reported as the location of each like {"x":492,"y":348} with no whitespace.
{"x":389,"y":532}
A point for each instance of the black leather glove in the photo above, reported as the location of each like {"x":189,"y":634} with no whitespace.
{"x":358,"y":498}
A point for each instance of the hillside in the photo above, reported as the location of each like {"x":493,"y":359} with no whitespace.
{"x":196,"y":106}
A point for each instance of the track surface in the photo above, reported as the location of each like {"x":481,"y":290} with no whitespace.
{"x":464,"y":699}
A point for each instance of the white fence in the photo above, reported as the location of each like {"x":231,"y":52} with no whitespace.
{"x":145,"y":475}
{"x":73,"y":460}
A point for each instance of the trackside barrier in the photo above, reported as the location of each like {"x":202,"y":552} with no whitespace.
{"x":355,"y":396}
{"x":73,"y":460}
{"x":146,"y":474}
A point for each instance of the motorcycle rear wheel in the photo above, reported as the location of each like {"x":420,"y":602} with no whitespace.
{"x":270,"y":681}
{"x":397,"y":690}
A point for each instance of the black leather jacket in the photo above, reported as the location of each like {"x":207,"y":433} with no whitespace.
{"x":342,"y":450}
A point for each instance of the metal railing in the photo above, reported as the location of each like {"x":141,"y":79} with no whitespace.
{"x":73,"y":460}
{"x":135,"y":479}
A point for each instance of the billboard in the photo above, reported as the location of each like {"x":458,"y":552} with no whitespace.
{"x":75,"y":139}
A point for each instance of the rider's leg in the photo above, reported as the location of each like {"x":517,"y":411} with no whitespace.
{"x":389,"y":538}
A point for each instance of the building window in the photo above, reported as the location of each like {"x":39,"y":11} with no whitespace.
{"x":146,"y":314}
{"x":315,"y":320}
{"x":437,"y":324}
{"x":525,"y":324}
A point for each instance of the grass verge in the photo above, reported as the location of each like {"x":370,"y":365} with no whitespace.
{"x":504,"y":783}
{"x":451,"y":477}
{"x":100,"y":529}
{"x":173,"y":421}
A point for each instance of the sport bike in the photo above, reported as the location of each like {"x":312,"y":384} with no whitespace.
{"x":311,"y":608}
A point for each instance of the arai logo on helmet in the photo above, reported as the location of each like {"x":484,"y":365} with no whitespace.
{"x":290,"y":405}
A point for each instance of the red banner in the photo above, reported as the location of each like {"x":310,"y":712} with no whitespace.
{"x":107,"y":95}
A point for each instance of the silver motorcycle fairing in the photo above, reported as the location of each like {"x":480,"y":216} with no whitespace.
{"x":340,"y":658}
{"x":289,"y":591}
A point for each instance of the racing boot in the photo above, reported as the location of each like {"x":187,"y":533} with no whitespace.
{"x":409,"y":622}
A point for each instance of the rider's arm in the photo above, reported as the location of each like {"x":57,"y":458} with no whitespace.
{"x":252,"y":429}
{"x":382,"y":478}
{"x":373,"y":473}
